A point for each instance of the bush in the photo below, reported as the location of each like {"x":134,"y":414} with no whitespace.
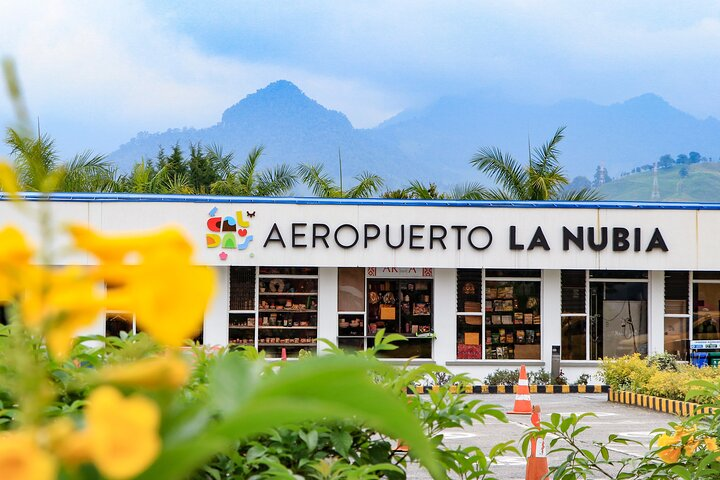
{"x":503,"y":376}
{"x":541,"y":377}
{"x":583,"y":379}
{"x":630,"y":372}
{"x":663,"y":361}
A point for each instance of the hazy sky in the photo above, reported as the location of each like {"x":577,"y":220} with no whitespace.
{"x":97,"y":72}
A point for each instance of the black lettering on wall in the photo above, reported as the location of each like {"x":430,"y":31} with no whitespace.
{"x":472,"y":232}
{"x":387,"y":237}
{"x":576,"y":239}
{"x":415,"y":236}
{"x":297,"y":235}
{"x":458,"y":231}
{"x":373,"y":236}
{"x":274,"y":230}
{"x":636,"y":245}
{"x":513,"y":242}
{"x":439,"y":238}
{"x":320,"y":236}
{"x":657,"y":241}
{"x":603,"y":238}
{"x":539,"y":240}
{"x":356,"y":234}
{"x":620,"y":239}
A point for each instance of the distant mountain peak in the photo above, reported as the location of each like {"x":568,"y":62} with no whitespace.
{"x":280,"y":100}
{"x":647,"y":100}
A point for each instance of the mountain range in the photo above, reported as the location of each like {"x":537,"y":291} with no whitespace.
{"x":436,"y":142}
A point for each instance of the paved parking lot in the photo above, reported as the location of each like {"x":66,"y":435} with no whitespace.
{"x":630,"y":422}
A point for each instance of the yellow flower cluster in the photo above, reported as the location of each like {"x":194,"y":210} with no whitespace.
{"x":120,"y":438}
{"x":167,"y":293}
{"x":683,"y":441}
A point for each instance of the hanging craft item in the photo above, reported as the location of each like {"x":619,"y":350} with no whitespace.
{"x":469,"y":288}
{"x":389,"y":298}
{"x":276,"y":285}
{"x":374,"y":298}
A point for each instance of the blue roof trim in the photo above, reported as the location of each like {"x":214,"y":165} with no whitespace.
{"x":131,"y":197}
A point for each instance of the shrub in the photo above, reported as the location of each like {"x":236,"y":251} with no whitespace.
{"x":663,"y":361}
{"x":630,"y":372}
{"x":503,"y":376}
{"x":541,"y":377}
{"x":583,"y":379}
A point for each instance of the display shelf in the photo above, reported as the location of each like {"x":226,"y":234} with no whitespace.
{"x":263,"y":327}
{"x":288,"y":310}
{"x":287,"y":294}
{"x":266,"y":276}
{"x":240,"y":327}
{"x":283,"y":345}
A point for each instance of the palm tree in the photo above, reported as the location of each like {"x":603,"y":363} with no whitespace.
{"x":246,"y":180}
{"x":39,"y":168}
{"x":323,"y":185}
{"x":541,"y":179}
{"x":420,"y":191}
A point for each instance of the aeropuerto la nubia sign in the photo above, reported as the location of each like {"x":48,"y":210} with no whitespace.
{"x":300,"y":235}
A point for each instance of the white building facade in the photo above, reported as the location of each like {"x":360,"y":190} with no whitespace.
{"x":474,"y":286}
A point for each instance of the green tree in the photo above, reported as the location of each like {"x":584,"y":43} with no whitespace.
{"x":201,"y":170}
{"x":40,"y":169}
{"x":420,"y":191}
{"x":323,"y":185}
{"x":247,"y":180}
{"x":541,"y":179}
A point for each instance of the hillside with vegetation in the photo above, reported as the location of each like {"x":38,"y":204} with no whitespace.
{"x":698,"y":182}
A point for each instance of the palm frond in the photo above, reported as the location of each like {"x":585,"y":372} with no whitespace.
{"x":278,"y":181}
{"x":221,"y":162}
{"x":417,"y":189}
{"x":246,"y":173}
{"x":582,"y":195}
{"x":368,"y":184}
{"x":468,"y":191}
{"x":318,"y":180}
{"x":503,"y":169}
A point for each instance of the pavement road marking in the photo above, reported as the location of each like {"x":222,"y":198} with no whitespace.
{"x":458,"y":435}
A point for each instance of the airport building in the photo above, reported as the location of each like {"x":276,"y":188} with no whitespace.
{"x":471,"y":285}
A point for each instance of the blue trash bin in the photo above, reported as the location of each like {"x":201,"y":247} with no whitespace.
{"x":699,"y":359}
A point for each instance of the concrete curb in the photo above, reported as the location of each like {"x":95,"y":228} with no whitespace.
{"x":492,"y":389}
{"x":659,"y":404}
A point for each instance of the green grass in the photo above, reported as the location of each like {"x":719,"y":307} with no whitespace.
{"x":702,"y":184}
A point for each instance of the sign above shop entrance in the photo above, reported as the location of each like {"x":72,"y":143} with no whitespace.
{"x":399,"y":272}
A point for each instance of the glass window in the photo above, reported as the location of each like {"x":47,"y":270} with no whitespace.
{"x":573,"y":318}
{"x":512,"y":321}
{"x":351,"y":289}
{"x":470,"y":314}
{"x":494,"y":273}
{"x":618,"y":319}
{"x":677,"y":319}
{"x":241,"y":323}
{"x":706,"y":275}
{"x":706,"y":311}
{"x":631,"y":274}
{"x":402,"y":306}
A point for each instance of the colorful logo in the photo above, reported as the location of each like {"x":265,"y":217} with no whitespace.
{"x":229,"y":232}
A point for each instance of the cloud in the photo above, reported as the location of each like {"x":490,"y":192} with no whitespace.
{"x":98,"y":72}
{"x":113,"y":69}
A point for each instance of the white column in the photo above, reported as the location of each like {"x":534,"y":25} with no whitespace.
{"x":327,"y":305}
{"x":656,"y":311}
{"x":215,"y":329}
{"x":445,"y":322}
{"x":550,"y":316}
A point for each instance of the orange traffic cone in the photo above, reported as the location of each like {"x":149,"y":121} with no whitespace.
{"x":283,"y":355}
{"x":537,"y":464}
{"x":522,"y":398}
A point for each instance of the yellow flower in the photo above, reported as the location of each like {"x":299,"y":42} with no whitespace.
{"x":122,"y":432}
{"x":167,"y":293}
{"x":116,"y":248}
{"x":8,"y":180}
{"x":711,"y":444}
{"x":61,"y":302}
{"x":670,"y":455}
{"x":163,"y":372}
{"x":71,"y":446}
{"x":22,"y":459}
{"x":691,"y":446}
{"x":15,"y":255}
{"x":666,"y":440}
